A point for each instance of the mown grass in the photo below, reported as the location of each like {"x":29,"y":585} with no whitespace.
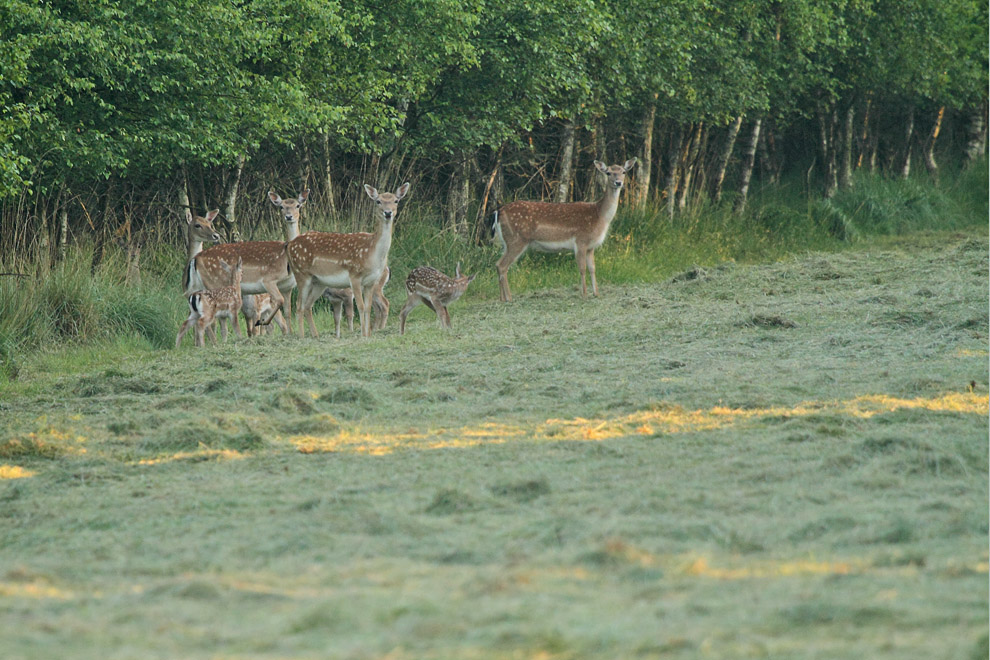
{"x":777,"y":460}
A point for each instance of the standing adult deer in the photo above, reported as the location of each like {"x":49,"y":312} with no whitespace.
{"x":435,"y":290}
{"x":265,"y":265}
{"x":219,"y":304}
{"x":322,"y":260}
{"x":579,"y":227}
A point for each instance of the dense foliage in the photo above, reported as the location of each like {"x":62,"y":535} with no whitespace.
{"x":111,"y":111}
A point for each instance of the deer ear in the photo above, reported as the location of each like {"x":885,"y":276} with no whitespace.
{"x":630,"y":163}
{"x":276,"y":200}
{"x":471,"y":279}
{"x":240,"y":263}
{"x":212,"y":214}
{"x":372,"y":193}
{"x":303,"y":196}
{"x":601,"y":167}
{"x":457,"y":270}
{"x":401,"y":192}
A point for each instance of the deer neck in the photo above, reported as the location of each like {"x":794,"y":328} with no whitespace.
{"x":291,"y":230}
{"x":608,"y":205}
{"x":381,"y":243}
{"x":193,"y":247}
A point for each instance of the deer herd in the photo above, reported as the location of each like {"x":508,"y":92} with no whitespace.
{"x":256,"y":278}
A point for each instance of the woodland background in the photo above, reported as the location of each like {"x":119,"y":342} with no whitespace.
{"x":114,"y":115}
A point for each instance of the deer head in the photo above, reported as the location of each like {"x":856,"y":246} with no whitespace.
{"x":388,"y":203}
{"x":616,"y":173}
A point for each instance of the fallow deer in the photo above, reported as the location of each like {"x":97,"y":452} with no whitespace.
{"x":260,"y":304}
{"x":266,"y":266}
{"x":435,"y":290}
{"x":579,"y":227}
{"x":342,"y":301}
{"x":322,"y":260}
{"x":220,"y":304}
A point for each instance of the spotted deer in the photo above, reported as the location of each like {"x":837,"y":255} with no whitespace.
{"x":220,"y":304}
{"x":322,"y":260}
{"x":578,"y":227}
{"x":435,"y":290}
{"x":266,"y":266}
{"x":260,"y":304}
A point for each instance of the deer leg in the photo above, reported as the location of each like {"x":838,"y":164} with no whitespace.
{"x":188,"y":323}
{"x":200,"y":328}
{"x":236,"y":324}
{"x":367,"y":297}
{"x":278,"y":302}
{"x":381,"y":305}
{"x":591,"y":271}
{"x":411,"y":303}
{"x":338,"y":310}
{"x":285,"y":322}
{"x":509,"y":257}
{"x":358,"y":292}
{"x":350,"y":314}
{"x":250,"y":313}
{"x":305,"y":294}
{"x":582,"y":260}
{"x":315,"y":291}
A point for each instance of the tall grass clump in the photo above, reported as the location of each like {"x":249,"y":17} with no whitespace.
{"x":879,"y":206}
{"x":69,"y":304}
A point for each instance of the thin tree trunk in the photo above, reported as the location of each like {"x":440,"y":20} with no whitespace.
{"x":749,"y":157}
{"x":460,"y":196}
{"x":644,"y":173}
{"x":184,"y":198}
{"x":864,"y":134}
{"x":673,"y":157}
{"x":826,"y":138}
{"x":845,"y":161}
{"x":63,"y":226}
{"x":687,"y":166}
{"x":101,"y":230}
{"x":976,"y":143}
{"x":230,"y":200}
{"x":723,"y":158}
{"x":329,"y":193}
{"x":566,"y":162}
{"x":929,"y":152}
{"x":481,"y":221}
{"x":908,"y":134}
{"x":597,"y":182}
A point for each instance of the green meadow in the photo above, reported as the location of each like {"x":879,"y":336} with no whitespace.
{"x":783,"y":456}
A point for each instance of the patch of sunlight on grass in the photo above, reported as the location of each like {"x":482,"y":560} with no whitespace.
{"x":201,"y":454}
{"x":666,"y":419}
{"x":34,"y":590}
{"x":969,"y":352}
{"x":15,"y":472}
{"x":699,"y":567}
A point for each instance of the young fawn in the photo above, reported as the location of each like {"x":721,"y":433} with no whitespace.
{"x":260,"y":305}
{"x":342,"y":301}
{"x":435,"y":290}
{"x":207,"y":306}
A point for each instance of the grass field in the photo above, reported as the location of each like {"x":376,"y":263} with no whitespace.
{"x":785,"y":460}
